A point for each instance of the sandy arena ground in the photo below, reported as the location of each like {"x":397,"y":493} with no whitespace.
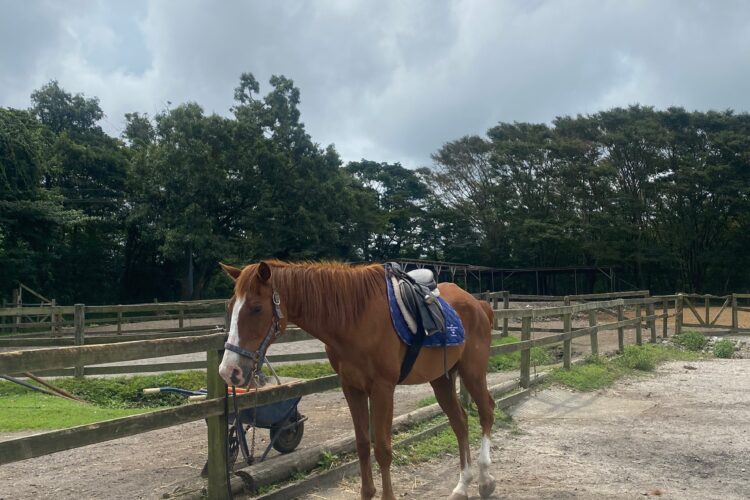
{"x":683,"y":434}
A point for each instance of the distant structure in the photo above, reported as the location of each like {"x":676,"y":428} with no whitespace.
{"x":570,"y":280}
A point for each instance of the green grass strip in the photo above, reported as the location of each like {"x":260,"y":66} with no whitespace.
{"x":34,"y":411}
{"x":598,"y":372}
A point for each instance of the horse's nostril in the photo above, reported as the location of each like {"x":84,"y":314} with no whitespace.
{"x":235,"y":377}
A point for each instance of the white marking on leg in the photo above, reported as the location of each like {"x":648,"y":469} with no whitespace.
{"x":231,"y":360}
{"x":486,"y":481}
{"x":484,"y":453}
{"x":464,"y":479}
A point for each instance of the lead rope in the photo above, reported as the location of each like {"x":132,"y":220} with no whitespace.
{"x":239,"y":426}
{"x":230,"y":496}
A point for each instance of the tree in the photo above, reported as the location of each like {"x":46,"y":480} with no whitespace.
{"x":399,"y":220}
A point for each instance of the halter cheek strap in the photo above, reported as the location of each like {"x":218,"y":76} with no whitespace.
{"x":273,"y":333}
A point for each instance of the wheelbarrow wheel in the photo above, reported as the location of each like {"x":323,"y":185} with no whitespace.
{"x":286,"y":437}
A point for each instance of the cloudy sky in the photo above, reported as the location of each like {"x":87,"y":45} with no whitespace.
{"x":384,"y":80}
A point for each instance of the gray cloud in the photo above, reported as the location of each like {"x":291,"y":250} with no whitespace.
{"x":388,"y":81}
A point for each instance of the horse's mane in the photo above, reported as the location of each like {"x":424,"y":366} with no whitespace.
{"x":332,"y":291}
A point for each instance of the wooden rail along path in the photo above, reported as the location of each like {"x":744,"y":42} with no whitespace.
{"x":75,"y":357}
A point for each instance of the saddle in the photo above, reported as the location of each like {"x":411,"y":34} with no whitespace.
{"x":416,"y":294}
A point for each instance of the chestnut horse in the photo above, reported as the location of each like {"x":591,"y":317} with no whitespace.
{"x":347,"y":309}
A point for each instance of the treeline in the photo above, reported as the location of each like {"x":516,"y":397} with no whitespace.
{"x":660,"y":195}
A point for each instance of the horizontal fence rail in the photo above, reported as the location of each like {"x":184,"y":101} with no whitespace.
{"x":73,"y":360}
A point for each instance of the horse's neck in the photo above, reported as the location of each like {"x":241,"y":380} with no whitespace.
{"x":327,"y":330}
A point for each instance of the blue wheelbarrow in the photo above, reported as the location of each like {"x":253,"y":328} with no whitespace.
{"x":282,"y":419}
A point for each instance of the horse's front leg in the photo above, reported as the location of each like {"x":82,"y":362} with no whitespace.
{"x":357,"y":401}
{"x":381,"y":402}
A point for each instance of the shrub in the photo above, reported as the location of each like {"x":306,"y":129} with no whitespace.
{"x":692,"y":340}
{"x":724,"y":349}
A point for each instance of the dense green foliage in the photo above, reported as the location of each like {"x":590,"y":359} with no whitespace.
{"x":85,"y":217}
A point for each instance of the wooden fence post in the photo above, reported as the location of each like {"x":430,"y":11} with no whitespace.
{"x":16,"y":303}
{"x":79,"y":322}
{"x":638,"y":327}
{"x":506,"y":305}
{"x":621,"y":329}
{"x":664,"y":328}
{"x":526,"y":353}
{"x":735,"y":323}
{"x":54,"y":327}
{"x":119,"y":319}
{"x":217,"y":431}
{"x":494,"y":303}
{"x":678,"y":314}
{"x":708,"y":309}
{"x":567,"y":348}
{"x":594,"y":333}
{"x":182,"y":317}
{"x":651,"y":311}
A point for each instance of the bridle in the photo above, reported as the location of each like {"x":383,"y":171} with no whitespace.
{"x":259,"y":355}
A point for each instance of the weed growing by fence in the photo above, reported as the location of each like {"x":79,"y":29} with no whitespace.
{"x":691,"y":340}
{"x":638,"y":358}
{"x":724,"y":349}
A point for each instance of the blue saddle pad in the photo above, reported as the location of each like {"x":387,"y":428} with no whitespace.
{"x":454,"y":334}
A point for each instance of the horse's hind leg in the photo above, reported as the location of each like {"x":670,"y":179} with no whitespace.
{"x":445,"y":393}
{"x":475,"y":381}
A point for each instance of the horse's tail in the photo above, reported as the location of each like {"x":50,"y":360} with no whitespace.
{"x":487,"y":308}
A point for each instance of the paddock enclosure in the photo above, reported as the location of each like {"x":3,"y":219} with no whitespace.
{"x":86,"y":340}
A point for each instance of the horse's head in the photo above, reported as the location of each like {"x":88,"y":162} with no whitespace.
{"x":256,"y":321}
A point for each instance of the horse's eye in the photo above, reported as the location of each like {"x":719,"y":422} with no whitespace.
{"x":255,"y":310}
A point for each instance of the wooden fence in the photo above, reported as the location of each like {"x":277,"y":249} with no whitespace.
{"x":62,"y":358}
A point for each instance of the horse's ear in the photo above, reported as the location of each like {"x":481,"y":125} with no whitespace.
{"x":233,"y":272}
{"x":264,"y":271}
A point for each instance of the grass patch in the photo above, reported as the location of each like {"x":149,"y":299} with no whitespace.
{"x":594,"y":374}
{"x":107,"y":398}
{"x":598,"y":372}
{"x":123,"y":392}
{"x":512,"y":360}
{"x":430,"y":400}
{"x":34,"y":411}
{"x":303,"y":370}
{"x":444,"y":442}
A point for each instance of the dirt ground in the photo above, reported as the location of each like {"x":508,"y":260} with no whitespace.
{"x":153,"y":464}
{"x":682,"y":434}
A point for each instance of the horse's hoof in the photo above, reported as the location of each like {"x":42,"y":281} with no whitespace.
{"x":458,"y":496}
{"x":487,"y":488}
